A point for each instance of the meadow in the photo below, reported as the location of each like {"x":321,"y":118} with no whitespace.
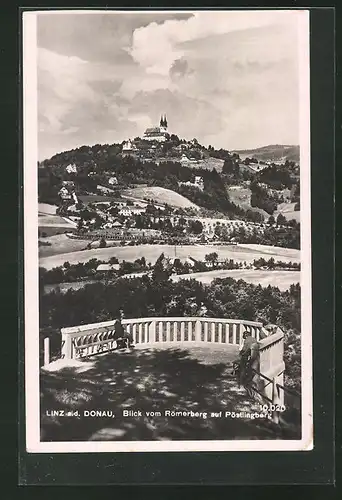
{"x":239,"y":253}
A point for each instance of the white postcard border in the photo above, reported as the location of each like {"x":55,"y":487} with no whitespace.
{"x":31,"y":265}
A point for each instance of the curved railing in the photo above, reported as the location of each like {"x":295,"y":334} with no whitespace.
{"x":88,"y":340}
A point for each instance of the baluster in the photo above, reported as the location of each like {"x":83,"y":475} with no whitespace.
{"x":160,"y":332}
{"x":168,"y":331}
{"x":234,"y":339}
{"x":213,"y":331}
{"x":227,"y":333}
{"x":190,"y":330}
{"x":135,"y":337}
{"x":182,"y":332}
{"x":206,"y":331}
{"x":175,"y":332}
{"x":220,"y":333}
{"x":140,"y":332}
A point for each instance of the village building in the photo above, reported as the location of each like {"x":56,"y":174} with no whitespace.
{"x":108,"y":268}
{"x":113,"y":181}
{"x":64,"y":193}
{"x":71,"y":168}
{"x":129,"y":211}
{"x":198,"y":183}
{"x":129,"y":148}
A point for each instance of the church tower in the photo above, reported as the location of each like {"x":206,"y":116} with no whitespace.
{"x":163,"y":123}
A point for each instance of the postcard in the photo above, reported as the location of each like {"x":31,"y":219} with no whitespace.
{"x":167,"y":230}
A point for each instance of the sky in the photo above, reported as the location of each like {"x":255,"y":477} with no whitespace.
{"x":229,"y":78}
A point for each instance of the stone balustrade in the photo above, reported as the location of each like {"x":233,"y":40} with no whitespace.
{"x":88,"y":340}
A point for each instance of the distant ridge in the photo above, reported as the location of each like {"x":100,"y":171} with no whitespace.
{"x":273,"y":152}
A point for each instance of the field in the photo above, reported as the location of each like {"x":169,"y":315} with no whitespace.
{"x":161,"y":195}
{"x":61,"y":244}
{"x":287,"y":210}
{"x":93,"y":198}
{"x":54,"y":220}
{"x":239,"y":253}
{"x":281,"y":279}
{"x":210,"y":163}
{"x":46,"y":209}
{"x":242,"y":197}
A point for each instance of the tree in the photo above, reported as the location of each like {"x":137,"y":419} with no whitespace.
{"x":103,"y":243}
{"x":281,"y":220}
{"x":212,"y":258}
{"x":271,"y":220}
{"x":195,"y":226}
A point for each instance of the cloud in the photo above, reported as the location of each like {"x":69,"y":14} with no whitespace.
{"x":157,"y":46}
{"x":227,"y":78}
{"x":180,"y":68}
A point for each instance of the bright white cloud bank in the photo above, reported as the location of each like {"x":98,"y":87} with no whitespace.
{"x":227,"y":78}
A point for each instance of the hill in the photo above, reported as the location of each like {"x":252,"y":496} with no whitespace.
{"x":241,"y":196}
{"x":160,"y":195}
{"x":210,"y":163}
{"x":287,"y":210}
{"x":275,"y":152}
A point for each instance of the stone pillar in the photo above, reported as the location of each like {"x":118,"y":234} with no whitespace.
{"x":66,"y":345}
{"x":46,"y":351}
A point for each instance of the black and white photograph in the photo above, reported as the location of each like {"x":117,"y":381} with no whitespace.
{"x":167,"y":230}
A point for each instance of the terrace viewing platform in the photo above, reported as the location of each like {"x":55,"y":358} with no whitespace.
{"x":178,"y":363}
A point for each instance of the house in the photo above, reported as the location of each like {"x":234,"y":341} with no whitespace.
{"x":129,"y":148}
{"x":113,"y":181}
{"x":198,"y":182}
{"x":108,"y":268}
{"x":64,"y":193}
{"x":71,"y":169}
{"x":129,"y":211}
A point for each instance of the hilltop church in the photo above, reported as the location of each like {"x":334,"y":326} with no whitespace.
{"x":157,"y":133}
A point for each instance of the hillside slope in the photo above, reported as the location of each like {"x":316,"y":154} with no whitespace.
{"x":275,"y":152}
{"x":160,"y":195}
{"x":287,"y":210}
{"x":241,"y":196}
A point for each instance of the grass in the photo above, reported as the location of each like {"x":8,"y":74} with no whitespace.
{"x":53,"y":220}
{"x":281,"y":279}
{"x":272,"y":152}
{"x":242,"y":197}
{"x":238,"y":253}
{"x":288,"y":211}
{"x":47,"y":209}
{"x":196,"y":379}
{"x":161,"y":195}
{"x":61,"y":244}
